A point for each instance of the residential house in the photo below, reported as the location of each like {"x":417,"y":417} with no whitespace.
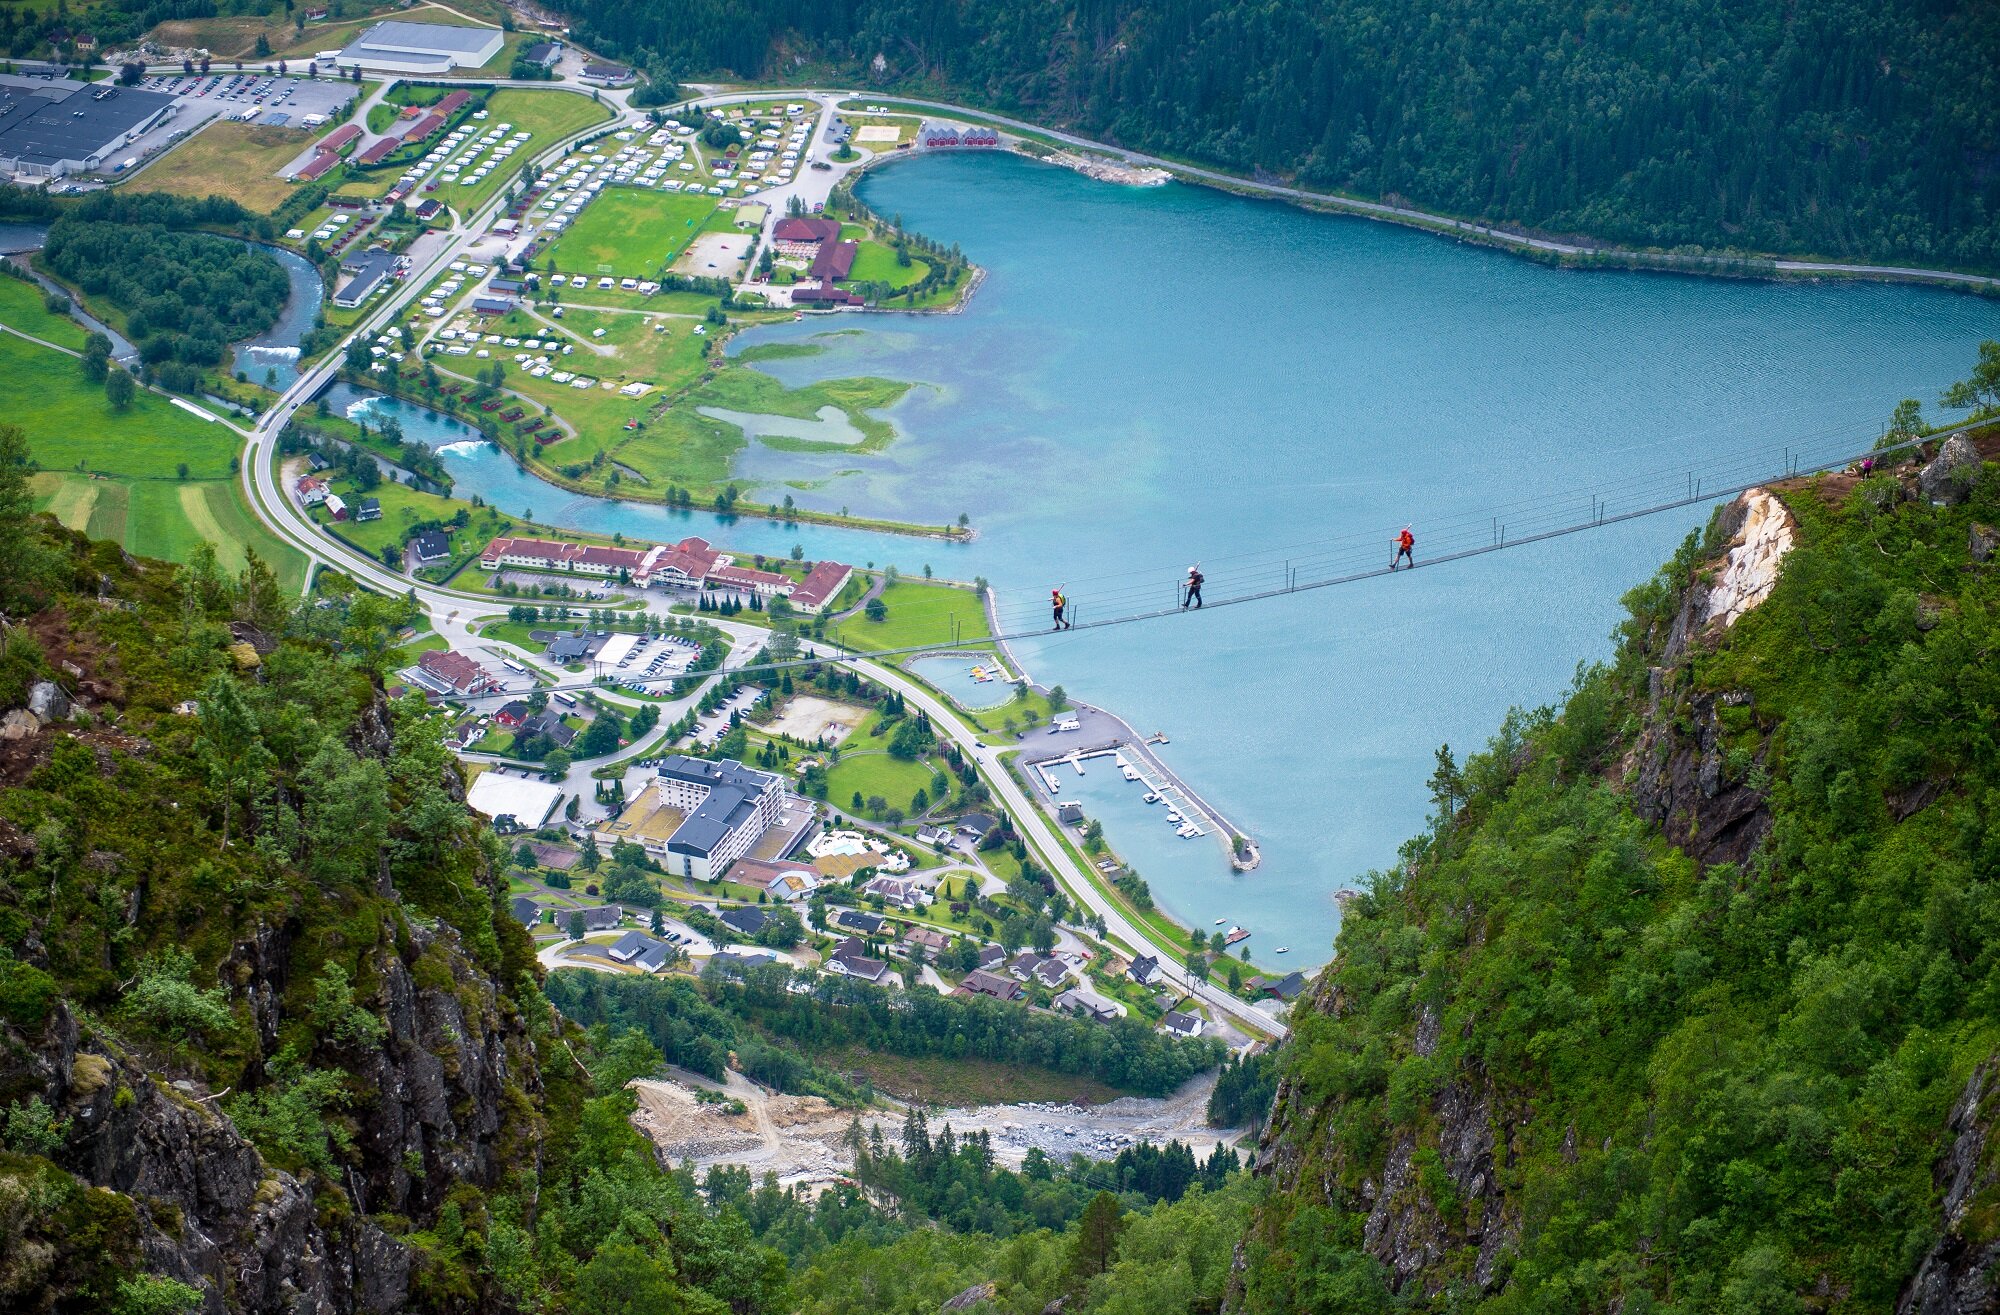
{"x":981,"y":982}
{"x":430,"y":546}
{"x":928,"y":937}
{"x":1051,"y":973}
{"x":734,"y":965}
{"x":1074,"y":1001}
{"x":1069,"y":813}
{"x":543,"y":54}
{"x":868,"y":924}
{"x":1288,"y":987}
{"x":746,"y":921}
{"x":1022,"y":966}
{"x":550,"y":723}
{"x":1145,"y":970}
{"x":336,"y":506}
{"x":596,"y":917}
{"x":641,"y":951}
{"x":991,"y":956}
{"x":312,"y":491}
{"x":512,"y":714}
{"x":369,"y":510}
{"x":526,"y":911}
{"x":856,"y":965}
{"x":899,"y":891}
{"x":1180,"y":1024}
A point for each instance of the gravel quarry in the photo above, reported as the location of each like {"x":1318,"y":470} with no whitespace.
{"x":800,"y":1138}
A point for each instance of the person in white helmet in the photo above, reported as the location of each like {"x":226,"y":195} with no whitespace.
{"x":1192,"y":589}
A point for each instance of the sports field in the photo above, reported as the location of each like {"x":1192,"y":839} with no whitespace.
{"x":632,"y":231}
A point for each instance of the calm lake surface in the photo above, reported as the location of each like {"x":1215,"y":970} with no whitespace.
{"x":1153,"y":378}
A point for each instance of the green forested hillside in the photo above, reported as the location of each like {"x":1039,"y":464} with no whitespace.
{"x":1562,"y":1063}
{"x":1832,"y":127}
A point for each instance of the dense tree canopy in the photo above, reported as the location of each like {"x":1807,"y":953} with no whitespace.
{"x":1836,"y":127}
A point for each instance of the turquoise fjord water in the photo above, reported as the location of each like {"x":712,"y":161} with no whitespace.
{"x":1150,"y":378}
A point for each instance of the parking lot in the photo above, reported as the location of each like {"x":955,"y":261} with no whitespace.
{"x":299,"y":103}
{"x":279,"y":101}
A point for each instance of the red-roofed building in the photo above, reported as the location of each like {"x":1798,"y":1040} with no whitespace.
{"x":458,"y":672}
{"x":685,"y":565}
{"x":744,"y":579}
{"x":825,"y":296}
{"x":821,"y":586}
{"x":834,"y":261}
{"x":453,"y":101}
{"x":803,"y":235}
{"x":339,"y":137}
{"x":318,"y":166}
{"x":428,"y":126}
{"x":376,"y":150}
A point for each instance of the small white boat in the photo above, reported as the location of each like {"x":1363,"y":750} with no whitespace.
{"x":1284,"y":949}
{"x":1152,"y":797}
{"x":1220,"y":921}
{"x":1131,"y":775}
{"x":1173,"y":815}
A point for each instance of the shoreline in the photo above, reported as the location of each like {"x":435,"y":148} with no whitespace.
{"x":1575,"y":252}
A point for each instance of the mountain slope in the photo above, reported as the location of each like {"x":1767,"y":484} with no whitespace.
{"x":1826,"y":127}
{"x":1692,"y":997}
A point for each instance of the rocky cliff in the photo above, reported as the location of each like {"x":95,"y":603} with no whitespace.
{"x":1688,"y":996}
{"x":276,"y":1071}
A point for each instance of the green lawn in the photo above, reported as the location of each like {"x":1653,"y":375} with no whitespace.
{"x":919,"y":613}
{"x":71,"y":426}
{"x":403,"y":507}
{"x":875,"y":773}
{"x":21,"y":305}
{"x":875,"y":262}
{"x":631,"y":231}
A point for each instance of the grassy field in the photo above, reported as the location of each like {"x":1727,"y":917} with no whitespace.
{"x":631,"y":231}
{"x":164,"y":519}
{"x":402,"y":507}
{"x":876,"y":263}
{"x":22,"y":305}
{"x":919,"y":613}
{"x":72,"y":427}
{"x":227,"y":158}
{"x":875,"y":773}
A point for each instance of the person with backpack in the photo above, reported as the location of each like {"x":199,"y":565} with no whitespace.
{"x":1060,"y":602}
{"x":1404,"y":543}
{"x":1192,"y":592}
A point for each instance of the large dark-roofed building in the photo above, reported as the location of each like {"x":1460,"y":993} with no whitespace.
{"x":49,"y":128}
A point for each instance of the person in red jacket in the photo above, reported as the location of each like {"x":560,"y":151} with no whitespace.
{"x":1404,"y":542}
{"x":1059,"y":601}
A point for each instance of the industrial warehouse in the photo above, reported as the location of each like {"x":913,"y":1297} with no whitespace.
{"x":50,"y":128}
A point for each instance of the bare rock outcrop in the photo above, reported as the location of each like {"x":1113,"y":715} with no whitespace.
{"x":1960,"y":1274}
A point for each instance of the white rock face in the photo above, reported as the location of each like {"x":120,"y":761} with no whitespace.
{"x":1752,"y":565}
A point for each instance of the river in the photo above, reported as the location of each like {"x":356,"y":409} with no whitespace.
{"x":272,"y":357}
{"x":1152,"y":378}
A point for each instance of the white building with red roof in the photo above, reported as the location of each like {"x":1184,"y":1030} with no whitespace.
{"x":821,"y":586}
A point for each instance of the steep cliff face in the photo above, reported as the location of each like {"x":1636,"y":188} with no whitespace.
{"x":267,"y":1070}
{"x":1688,"y":997}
